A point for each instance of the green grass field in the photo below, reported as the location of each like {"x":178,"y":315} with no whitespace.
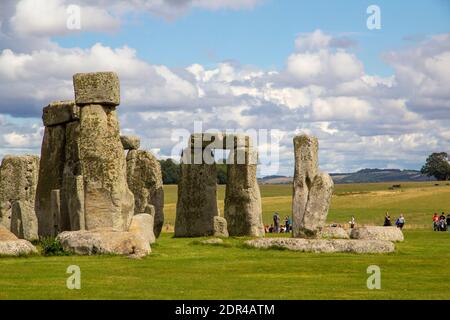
{"x":184,"y":269}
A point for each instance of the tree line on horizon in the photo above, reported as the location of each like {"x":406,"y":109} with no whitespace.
{"x":437,"y":165}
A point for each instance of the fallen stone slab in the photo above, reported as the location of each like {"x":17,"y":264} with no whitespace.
{"x":104,"y":242}
{"x":333,"y":233}
{"x":377,"y":233}
{"x":16,"y":248}
{"x":6,"y":235}
{"x":324,"y":246}
{"x":10,"y":245}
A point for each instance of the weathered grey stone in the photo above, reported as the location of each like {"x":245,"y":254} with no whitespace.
{"x":72,"y":192}
{"x":243,"y":211}
{"x":319,"y":199}
{"x":55,"y":211}
{"x":50,"y":176}
{"x":220,"y":140}
{"x":306,"y":168}
{"x":97,"y":88}
{"x":377,"y":233}
{"x":85,"y":242}
{"x":18,"y":181}
{"x":324,"y":246}
{"x":220,"y":227}
{"x":10,"y":245}
{"x":333,"y":233}
{"x":142,"y":224}
{"x":145,"y":181}
{"x":5,"y":213}
{"x":24,"y":223}
{"x":108,"y":202}
{"x":16,"y":248}
{"x":197,"y":200}
{"x":203,"y":140}
{"x":60,"y":112}
{"x":18,"y":178}
{"x":130,"y":142}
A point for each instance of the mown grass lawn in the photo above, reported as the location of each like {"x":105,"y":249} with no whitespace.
{"x":184,"y":269}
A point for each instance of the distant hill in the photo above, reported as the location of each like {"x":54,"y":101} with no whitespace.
{"x":362,"y":176}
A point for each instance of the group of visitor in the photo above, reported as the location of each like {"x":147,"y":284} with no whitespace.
{"x":400,"y":222}
{"x":277,"y":227}
{"x":441,"y":223}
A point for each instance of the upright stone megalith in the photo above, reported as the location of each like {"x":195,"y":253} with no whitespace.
{"x":146,"y":183}
{"x":108,"y":202}
{"x":58,"y":117}
{"x":18,"y":181}
{"x":243,"y":210}
{"x":197,"y":197}
{"x":312,"y":189}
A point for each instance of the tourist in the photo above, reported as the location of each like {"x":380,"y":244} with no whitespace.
{"x":276,"y":222}
{"x":352,"y":222}
{"x":271,"y":228}
{"x":435,"y":222}
{"x":387,"y":220}
{"x":400,"y":222}
{"x":287,"y":223}
{"x":442,"y":222}
{"x":448,"y":222}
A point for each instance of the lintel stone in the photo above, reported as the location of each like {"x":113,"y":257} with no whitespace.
{"x":97,"y":88}
{"x":60,"y":112}
{"x":130,"y":142}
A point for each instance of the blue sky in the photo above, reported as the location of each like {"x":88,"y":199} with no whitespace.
{"x":374,"y":98}
{"x":264,"y":36}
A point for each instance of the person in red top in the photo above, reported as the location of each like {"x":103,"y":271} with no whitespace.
{"x":435,"y":222}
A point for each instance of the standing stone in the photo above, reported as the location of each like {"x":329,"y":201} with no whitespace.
{"x":24,"y":223}
{"x":243,"y":211}
{"x":57,"y":116}
{"x":197,"y":198}
{"x":142,"y":225}
{"x":312,"y":189}
{"x":306,"y":167}
{"x":318,"y":203}
{"x":108,"y":202}
{"x":18,"y":181}
{"x":72,"y":192}
{"x":145,"y":181}
{"x":220,"y":227}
